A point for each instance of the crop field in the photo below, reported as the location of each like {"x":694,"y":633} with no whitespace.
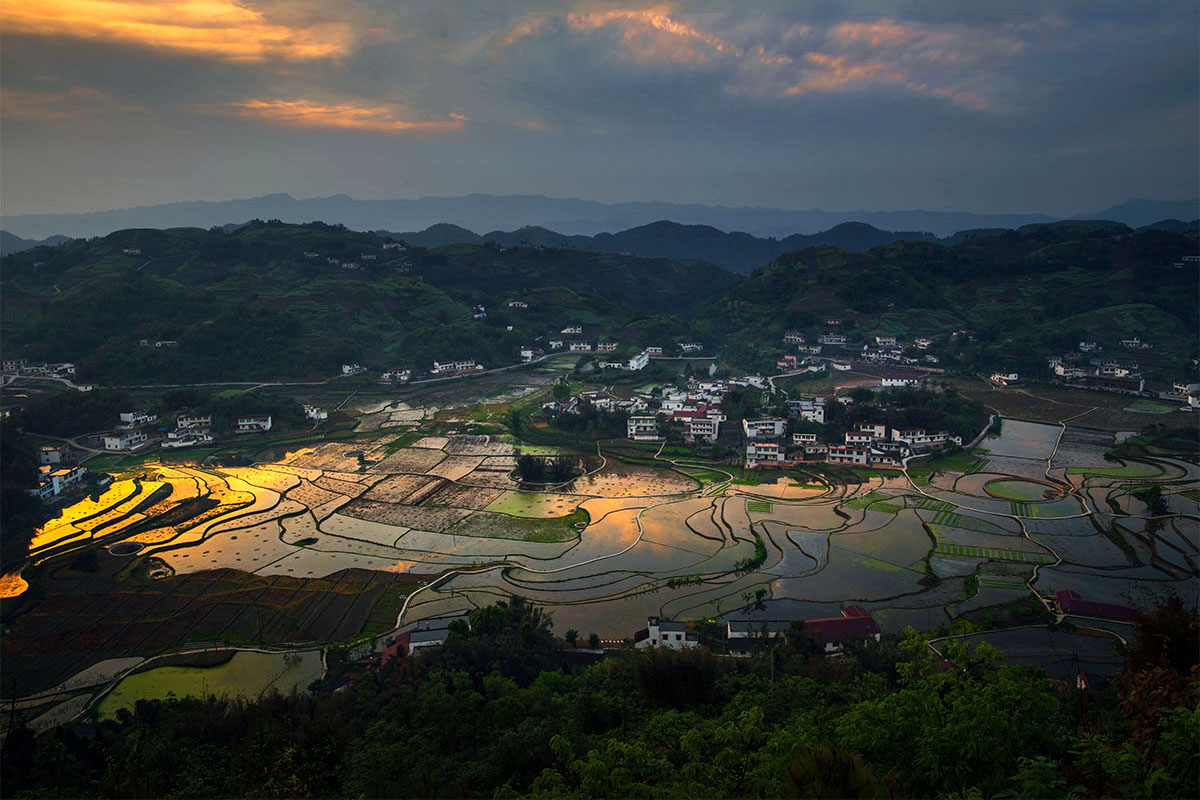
{"x":330,"y":541}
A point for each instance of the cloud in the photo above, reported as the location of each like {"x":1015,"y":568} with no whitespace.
{"x":219,"y":29}
{"x":385,"y":118}
{"x":60,"y":106}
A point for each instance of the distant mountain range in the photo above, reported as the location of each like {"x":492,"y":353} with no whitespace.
{"x":10,"y":243}
{"x":568,"y":216}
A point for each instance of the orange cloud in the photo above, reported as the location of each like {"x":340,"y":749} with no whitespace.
{"x":837,"y":72}
{"x":308,"y":114}
{"x":51,"y":106}
{"x":214,"y":28}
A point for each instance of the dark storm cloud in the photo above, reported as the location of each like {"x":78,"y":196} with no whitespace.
{"x":1057,"y":109}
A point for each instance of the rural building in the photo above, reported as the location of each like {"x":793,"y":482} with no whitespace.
{"x":855,"y":624}
{"x":877,"y":430}
{"x":131,"y":419}
{"x":885,"y":341}
{"x":580,"y":347}
{"x":125,"y":441}
{"x":663,"y":633}
{"x":186,"y":421}
{"x":809,"y":410}
{"x":352,"y":369}
{"x":793,"y":337}
{"x":642,"y":429}
{"x":517,"y":304}
{"x":762,"y":428}
{"x":1071,"y":602}
{"x":831,"y":338}
{"x":53,"y":453}
{"x":804,"y":438}
{"x":899,"y":381}
{"x":690,"y":347}
{"x":703,"y":428}
{"x":764,"y":453}
{"x":258,"y":423}
{"x":639,"y":361}
{"x":572,"y":329}
{"x":606,"y":347}
{"x":654,"y":351}
{"x":846,"y":454}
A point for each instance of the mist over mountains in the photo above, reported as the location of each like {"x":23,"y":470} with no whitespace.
{"x":567,"y":216}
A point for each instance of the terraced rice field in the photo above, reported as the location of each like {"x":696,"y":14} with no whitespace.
{"x":599,"y":554}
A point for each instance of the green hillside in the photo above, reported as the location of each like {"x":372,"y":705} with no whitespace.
{"x":265,"y":302}
{"x":1022,"y":295}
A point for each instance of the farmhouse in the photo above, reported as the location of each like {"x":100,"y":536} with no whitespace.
{"x":353,"y":369}
{"x":642,"y":429}
{"x":401,"y":375}
{"x":923,"y":342}
{"x":877,"y":430}
{"x":1136,"y":344}
{"x":690,"y":347}
{"x":187,"y":421}
{"x":804,"y":438}
{"x":556,"y":344}
{"x":639,"y":361}
{"x":859,"y":438}
{"x":654,"y":351}
{"x":663,"y":633}
{"x":315,"y":414}
{"x":54,"y":480}
{"x":703,"y":428}
{"x":580,"y":347}
{"x":517,"y":304}
{"x":606,"y":347}
{"x":810,"y":410}
{"x":258,"y":423}
{"x":832,"y":338}
{"x":885,"y":341}
{"x":762,"y":428}
{"x":899,"y":381}
{"x":125,"y":441}
{"x":131,"y":419}
{"x":855,"y":624}
{"x":572,"y":329}
{"x":764,"y":453}
{"x":1071,"y":602}
{"x":793,"y":337}
{"x":53,"y":453}
{"x":842,"y":366}
{"x":1004,"y":379}
{"x":847,"y":454}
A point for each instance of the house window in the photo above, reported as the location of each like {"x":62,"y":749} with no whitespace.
{"x":678,"y":637}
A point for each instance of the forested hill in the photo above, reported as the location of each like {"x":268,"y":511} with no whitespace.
{"x":498,"y":711}
{"x":266,"y":301}
{"x":736,"y":251}
{"x":1024,"y":295}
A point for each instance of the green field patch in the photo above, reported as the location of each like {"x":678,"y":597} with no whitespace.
{"x":758,"y":506}
{"x":947,"y":517}
{"x":1144,"y":406}
{"x":488,"y":525}
{"x":246,"y":675}
{"x":864,"y":502}
{"x":1192,"y":494}
{"x":998,"y":582}
{"x":543,"y":505}
{"x":1013,"y":489}
{"x":1129,"y":469}
{"x":885,"y":507}
{"x":990,"y":553}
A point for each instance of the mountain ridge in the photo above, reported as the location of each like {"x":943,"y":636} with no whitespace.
{"x":569,"y":216}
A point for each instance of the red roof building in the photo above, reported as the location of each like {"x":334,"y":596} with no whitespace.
{"x":1070,"y":602}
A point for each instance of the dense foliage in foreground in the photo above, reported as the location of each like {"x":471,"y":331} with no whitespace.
{"x":495,"y":713}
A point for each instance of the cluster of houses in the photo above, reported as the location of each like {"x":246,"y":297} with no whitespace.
{"x":55,"y":474}
{"x":882,"y":349}
{"x":597,"y":344}
{"x":136,"y":430}
{"x":697,"y":406}
{"x":743,"y":635}
{"x":21,"y":367}
{"x":350,"y":264}
{"x":1113,"y":374}
{"x":444,"y":368}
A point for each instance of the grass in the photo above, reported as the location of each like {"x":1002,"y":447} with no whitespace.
{"x":758,"y":506}
{"x":998,"y":582}
{"x":488,"y":525}
{"x":865,"y":501}
{"x":1129,"y":469}
{"x":946,"y":517}
{"x":962,"y":461}
{"x":1192,"y":494}
{"x":996,"y":554}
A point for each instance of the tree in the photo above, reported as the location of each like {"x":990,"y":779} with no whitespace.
{"x":561,"y":391}
{"x":594,"y":641}
{"x":571,"y":636}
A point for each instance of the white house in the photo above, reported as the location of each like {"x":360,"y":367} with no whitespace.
{"x":132,"y":251}
{"x":580,"y":347}
{"x":923,"y":342}
{"x":606,"y":347}
{"x":804,"y":438}
{"x":556,"y":344}
{"x":674,"y":635}
{"x":918,"y":438}
{"x":859,"y":439}
{"x":896,"y":381}
{"x":401,"y":375}
{"x":690,"y":347}
{"x":764,"y":453}
{"x":572,"y":329}
{"x":1003,"y":379}
{"x":793,"y":337}
{"x":877,"y":430}
{"x":258,"y":423}
{"x":187,"y":421}
{"x":1136,"y":344}
{"x":885,"y":341}
{"x":639,"y":361}
{"x":847,"y":454}
{"x":762,"y":428}
{"x":842,"y":366}
{"x":53,"y":453}
{"x":809,"y":410}
{"x":1088,"y":347}
{"x":831,"y":338}
{"x":352,"y":369}
{"x":517,"y":304}
{"x":315,"y":414}
{"x":125,"y":441}
{"x":642,"y":429}
{"x":703,"y":428}
{"x":130,"y":419}
{"x":654,"y":351}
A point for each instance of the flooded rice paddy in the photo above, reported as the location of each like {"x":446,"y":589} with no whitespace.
{"x":628,"y":541}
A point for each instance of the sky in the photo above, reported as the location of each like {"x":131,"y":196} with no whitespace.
{"x":1051,"y":107}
